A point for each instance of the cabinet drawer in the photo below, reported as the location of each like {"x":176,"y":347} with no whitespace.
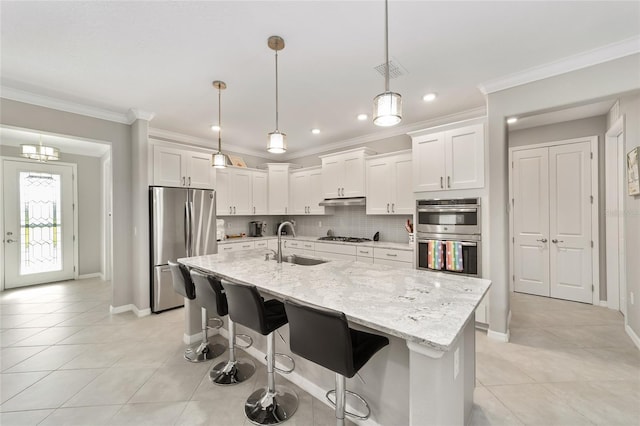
{"x":230,"y":247}
{"x":336,"y":256}
{"x":336,"y":248}
{"x":395,"y":255}
{"x":364,"y":252}
{"x":262,"y":244}
{"x":395,"y":264}
{"x":304,"y":245}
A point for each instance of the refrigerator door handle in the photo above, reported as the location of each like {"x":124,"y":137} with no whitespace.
{"x":187,"y":229}
{"x":192,"y":240}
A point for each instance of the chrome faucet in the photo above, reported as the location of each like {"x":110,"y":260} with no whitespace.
{"x":293,"y":231}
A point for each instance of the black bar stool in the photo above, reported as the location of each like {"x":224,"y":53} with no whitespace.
{"x":323,"y":336}
{"x":184,"y":286}
{"x":265,"y":406}
{"x":234,"y":370}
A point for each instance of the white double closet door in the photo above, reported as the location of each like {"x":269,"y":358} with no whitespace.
{"x":552,"y":221}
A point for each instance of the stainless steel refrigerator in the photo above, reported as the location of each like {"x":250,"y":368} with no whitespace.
{"x":182,"y":224}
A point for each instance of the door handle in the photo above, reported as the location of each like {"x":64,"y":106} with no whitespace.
{"x":441,"y":182}
{"x":393,"y":207}
{"x":11,"y":241}
{"x":554,"y":241}
{"x":234,"y":209}
{"x":544,"y":240}
{"x":387,"y":207}
{"x":448,"y":181}
{"x":189,"y":181}
{"x":182,"y":180}
{"x":254,"y":209}
{"x":230,"y":210}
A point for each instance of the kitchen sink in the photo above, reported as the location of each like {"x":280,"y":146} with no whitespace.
{"x":301,"y":260}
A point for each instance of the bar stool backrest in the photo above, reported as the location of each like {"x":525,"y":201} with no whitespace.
{"x":210,"y":293}
{"x":181,"y":281}
{"x":321,"y":335}
{"x":246,"y":306}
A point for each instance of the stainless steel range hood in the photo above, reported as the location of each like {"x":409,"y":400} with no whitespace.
{"x":333,"y":202}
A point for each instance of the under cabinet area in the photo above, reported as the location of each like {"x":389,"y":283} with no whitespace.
{"x":388,"y":185}
{"x":305,"y":191}
{"x":182,"y":168}
{"x":445,"y":160}
{"x":343,"y":173}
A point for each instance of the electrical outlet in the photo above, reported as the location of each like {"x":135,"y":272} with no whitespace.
{"x":319,"y":224}
{"x":631,"y":298}
{"x":456,"y":363}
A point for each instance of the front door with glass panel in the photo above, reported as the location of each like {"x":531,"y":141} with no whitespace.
{"x":38,"y":223}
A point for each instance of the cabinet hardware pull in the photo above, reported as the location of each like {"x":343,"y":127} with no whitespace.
{"x":387,"y":207}
{"x":543,"y":240}
{"x":234,"y":209}
{"x":343,"y":192}
{"x":392,"y":255}
{"x":189,"y":181}
{"x":441,"y":182}
{"x":554,"y":241}
{"x":338,"y":191}
{"x":448,"y":181}
{"x":247,"y":246}
{"x":393,"y":207}
{"x":230,"y":210}
{"x":364,"y":252}
{"x":182,"y":180}
{"x":227,"y":248}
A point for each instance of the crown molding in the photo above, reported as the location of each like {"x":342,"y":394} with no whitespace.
{"x":170,"y":136}
{"x":479,"y":112}
{"x":586,"y":59}
{"x":61,"y":105}
{"x":137,"y":114}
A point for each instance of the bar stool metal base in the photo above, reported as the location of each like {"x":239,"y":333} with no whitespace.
{"x":204,"y":352}
{"x":265,"y":407}
{"x":232,"y":372}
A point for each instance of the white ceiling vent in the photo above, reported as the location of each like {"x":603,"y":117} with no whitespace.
{"x":395,"y":69}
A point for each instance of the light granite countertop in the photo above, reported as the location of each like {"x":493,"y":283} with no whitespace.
{"x":429,"y":308}
{"x":373,"y":244}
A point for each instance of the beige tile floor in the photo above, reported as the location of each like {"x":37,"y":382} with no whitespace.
{"x":65,"y":360}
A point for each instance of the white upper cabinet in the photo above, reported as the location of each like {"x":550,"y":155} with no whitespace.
{"x":343,"y":173}
{"x":388,"y":184}
{"x":278,"y":188}
{"x":235,"y":191}
{"x":259,"y":191}
{"x":453,"y":159}
{"x":305,"y":191}
{"x":178,"y":167}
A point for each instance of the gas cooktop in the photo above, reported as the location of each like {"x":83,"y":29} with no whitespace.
{"x":345,"y":239}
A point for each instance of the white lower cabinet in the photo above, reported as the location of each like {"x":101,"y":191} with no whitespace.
{"x":336,"y":251}
{"x":395,"y":258}
{"x":262,"y":244}
{"x":239,"y":246}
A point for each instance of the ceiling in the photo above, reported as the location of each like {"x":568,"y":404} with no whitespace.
{"x":161,"y":57}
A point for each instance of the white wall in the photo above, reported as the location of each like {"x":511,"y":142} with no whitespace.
{"x":578,"y":87}
{"x":89,"y":181}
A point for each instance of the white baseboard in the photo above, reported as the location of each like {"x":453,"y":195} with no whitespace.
{"x":500,"y":337}
{"x":130,"y":308}
{"x":604,"y":304}
{"x":302,"y":382}
{"x":94,"y":275}
{"x":633,"y":335}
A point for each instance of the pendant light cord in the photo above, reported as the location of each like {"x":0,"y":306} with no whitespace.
{"x":219,"y":119}
{"x":386,"y":45}
{"x":276,"y":91}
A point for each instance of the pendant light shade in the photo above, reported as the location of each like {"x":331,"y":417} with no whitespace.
{"x":220,"y":160}
{"x":387,"y":106}
{"x":40,"y":152}
{"x":277,"y":141}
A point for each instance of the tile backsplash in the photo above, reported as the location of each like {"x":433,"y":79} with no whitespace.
{"x":346,"y":221}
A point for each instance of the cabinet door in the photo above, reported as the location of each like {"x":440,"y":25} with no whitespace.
{"x":379,"y":184}
{"x":299,"y":193}
{"x":332,"y":177}
{"x":402,"y":193}
{"x":465,"y":157}
{"x":223,"y":191}
{"x":169,"y":167}
{"x":259,"y":193}
{"x":278,"y":191}
{"x":428,"y":162}
{"x":241,"y":196}
{"x":353,"y":182}
{"x":314,"y":191}
{"x":200,"y":173}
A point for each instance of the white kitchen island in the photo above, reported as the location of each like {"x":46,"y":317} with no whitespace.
{"x":426,"y":375}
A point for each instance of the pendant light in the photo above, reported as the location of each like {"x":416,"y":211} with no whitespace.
{"x":219,"y":159}
{"x":277,"y":143}
{"x":387,"y":106}
{"x":41,"y":153}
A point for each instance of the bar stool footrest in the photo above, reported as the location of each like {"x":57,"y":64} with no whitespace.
{"x":283,"y":371}
{"x":245,"y":337}
{"x":349,"y":413}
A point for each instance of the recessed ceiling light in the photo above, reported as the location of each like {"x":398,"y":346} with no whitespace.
{"x":215,"y":127}
{"x":315,"y":131}
{"x":429,"y":97}
{"x":512,"y":120}
{"x":362,"y":117}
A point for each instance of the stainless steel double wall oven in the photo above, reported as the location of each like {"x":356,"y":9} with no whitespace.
{"x":454,"y":220}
